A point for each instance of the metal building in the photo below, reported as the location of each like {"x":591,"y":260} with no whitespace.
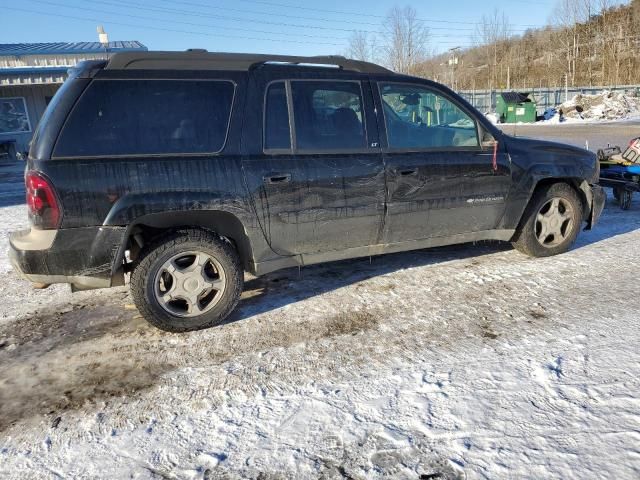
{"x":30,"y":74}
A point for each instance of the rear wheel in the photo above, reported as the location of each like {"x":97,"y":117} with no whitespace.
{"x":187,"y":280}
{"x":551,"y":222}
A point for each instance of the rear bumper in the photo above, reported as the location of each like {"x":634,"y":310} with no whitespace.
{"x":83,"y":257}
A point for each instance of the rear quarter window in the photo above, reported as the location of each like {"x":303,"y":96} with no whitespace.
{"x":148,"y":117}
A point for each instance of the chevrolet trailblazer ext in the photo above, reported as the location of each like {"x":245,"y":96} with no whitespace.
{"x":188,"y":168}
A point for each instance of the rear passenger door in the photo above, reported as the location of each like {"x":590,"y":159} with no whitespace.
{"x":317,"y":180}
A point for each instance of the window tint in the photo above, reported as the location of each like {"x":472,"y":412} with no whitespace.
{"x":417,"y":117}
{"x":328,"y":115}
{"x":276,"y":118}
{"x":138,"y":117}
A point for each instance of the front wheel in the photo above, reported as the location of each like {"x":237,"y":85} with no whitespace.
{"x":551,"y":222}
{"x":187,"y":280}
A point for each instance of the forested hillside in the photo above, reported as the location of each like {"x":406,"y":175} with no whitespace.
{"x":586,"y":48}
{"x":586,"y":43}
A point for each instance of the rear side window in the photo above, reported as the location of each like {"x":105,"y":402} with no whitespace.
{"x":146,"y":117}
{"x":277,"y":135}
{"x":328,"y":115}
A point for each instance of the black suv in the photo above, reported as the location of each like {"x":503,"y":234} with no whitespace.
{"x":187,"y":169}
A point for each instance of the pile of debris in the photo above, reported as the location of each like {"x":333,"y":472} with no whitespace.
{"x":604,"y":106}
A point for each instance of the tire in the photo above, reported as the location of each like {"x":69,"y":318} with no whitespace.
{"x":170,"y":282}
{"x":617,"y":191}
{"x":553,"y":233}
{"x":626,"y":197}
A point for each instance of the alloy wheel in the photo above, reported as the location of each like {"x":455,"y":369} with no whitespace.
{"x":554,"y":222}
{"x":189,"y":284}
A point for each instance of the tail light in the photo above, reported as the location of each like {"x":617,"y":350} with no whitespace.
{"x":42,"y":202}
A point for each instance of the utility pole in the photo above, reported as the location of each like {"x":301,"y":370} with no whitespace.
{"x":453,"y":61}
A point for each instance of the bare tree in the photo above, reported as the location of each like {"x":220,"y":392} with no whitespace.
{"x":491,"y":32}
{"x":406,"y":40}
{"x":567,"y":15}
{"x":588,"y":42}
{"x":362,"y":46}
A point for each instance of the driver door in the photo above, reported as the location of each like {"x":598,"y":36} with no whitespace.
{"x":441,"y":180}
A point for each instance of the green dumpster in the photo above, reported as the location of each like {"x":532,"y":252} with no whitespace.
{"x":514,"y":107}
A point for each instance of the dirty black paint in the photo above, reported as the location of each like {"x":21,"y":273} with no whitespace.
{"x":83,"y":252}
{"x":329,"y":202}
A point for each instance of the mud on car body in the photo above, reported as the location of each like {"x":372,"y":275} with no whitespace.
{"x":186,"y":169}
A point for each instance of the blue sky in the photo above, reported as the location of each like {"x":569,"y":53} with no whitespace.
{"x":302,"y":27}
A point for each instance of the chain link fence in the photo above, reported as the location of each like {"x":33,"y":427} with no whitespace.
{"x":485,"y":100}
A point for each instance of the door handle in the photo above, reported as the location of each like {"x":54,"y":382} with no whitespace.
{"x":277,"y":178}
{"x":406,"y":172}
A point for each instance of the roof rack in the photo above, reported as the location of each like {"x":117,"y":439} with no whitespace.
{"x":197,"y":59}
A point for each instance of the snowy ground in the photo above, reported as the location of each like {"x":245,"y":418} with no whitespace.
{"x":461,"y":362}
{"x":605,"y":107}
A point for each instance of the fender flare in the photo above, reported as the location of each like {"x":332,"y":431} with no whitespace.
{"x":168,"y":210}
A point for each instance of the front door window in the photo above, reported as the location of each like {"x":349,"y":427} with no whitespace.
{"x":419,"y":118}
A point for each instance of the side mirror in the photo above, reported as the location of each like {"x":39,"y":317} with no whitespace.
{"x":488,"y":140}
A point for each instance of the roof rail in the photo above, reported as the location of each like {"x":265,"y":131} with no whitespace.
{"x":196,"y":59}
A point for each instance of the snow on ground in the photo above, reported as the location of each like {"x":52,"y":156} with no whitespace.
{"x":462,"y":362}
{"x":604,"y":106}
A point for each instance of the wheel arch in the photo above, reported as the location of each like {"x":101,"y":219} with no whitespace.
{"x":144,"y":229}
{"x":579,"y":185}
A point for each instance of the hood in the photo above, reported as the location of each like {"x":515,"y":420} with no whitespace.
{"x":535,"y":144}
{"x":567,"y":160}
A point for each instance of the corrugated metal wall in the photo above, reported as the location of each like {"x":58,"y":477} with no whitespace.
{"x":35,"y":98}
{"x":49,"y":60}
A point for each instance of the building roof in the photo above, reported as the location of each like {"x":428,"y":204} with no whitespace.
{"x":68,"y":48}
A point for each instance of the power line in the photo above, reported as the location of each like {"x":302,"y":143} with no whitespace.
{"x":315,"y":19}
{"x":271,"y":14}
{"x":205,"y":25}
{"x":128,"y":15}
{"x":146,"y":27}
{"x":220,"y":17}
{"x":361,"y":14}
{"x":144,"y":7}
{"x":191,"y":32}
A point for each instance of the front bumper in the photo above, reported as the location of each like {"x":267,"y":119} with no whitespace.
{"x":83,"y":257}
{"x":598,"y":200}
